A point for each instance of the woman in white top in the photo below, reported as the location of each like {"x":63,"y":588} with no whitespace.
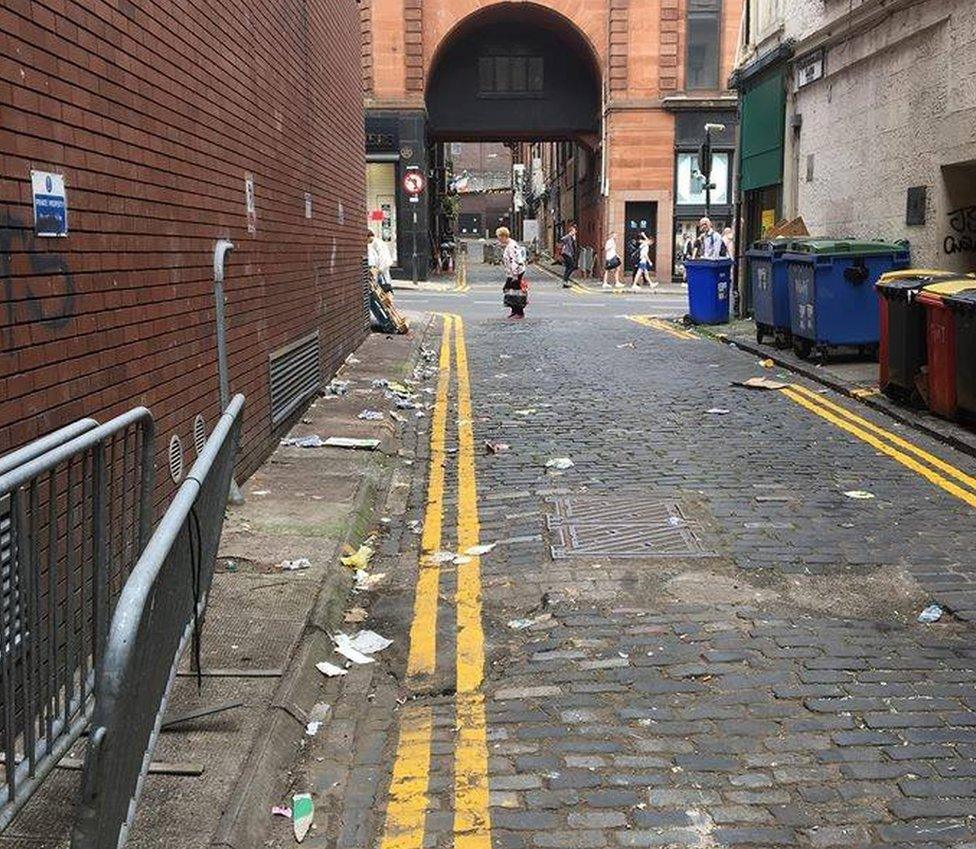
{"x":644,"y":265}
{"x":613,"y":263}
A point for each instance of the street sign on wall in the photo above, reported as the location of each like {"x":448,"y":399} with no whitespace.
{"x":50,"y":204}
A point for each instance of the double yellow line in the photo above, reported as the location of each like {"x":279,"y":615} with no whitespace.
{"x":662,"y":325}
{"x":935,"y":470}
{"x":406,"y":814}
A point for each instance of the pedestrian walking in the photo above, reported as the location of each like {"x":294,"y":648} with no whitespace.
{"x":516,"y":290}
{"x":569,"y":254}
{"x":728,"y":236}
{"x":380,"y":261}
{"x":711,"y":245}
{"x":644,"y":264}
{"x":612,"y":263}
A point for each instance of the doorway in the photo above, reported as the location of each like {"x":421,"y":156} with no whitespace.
{"x":641,"y":218}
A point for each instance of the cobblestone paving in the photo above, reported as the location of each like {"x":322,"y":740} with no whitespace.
{"x":775,"y":692}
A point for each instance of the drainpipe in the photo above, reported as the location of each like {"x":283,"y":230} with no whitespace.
{"x":221,"y":249}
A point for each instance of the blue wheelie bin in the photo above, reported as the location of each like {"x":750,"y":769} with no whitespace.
{"x":832,"y":296}
{"x":770,"y":290}
{"x":709,"y":288}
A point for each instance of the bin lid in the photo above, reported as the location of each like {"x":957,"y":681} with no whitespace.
{"x":950,"y":287}
{"x":964,"y":301}
{"x":846,"y":247}
{"x":902,"y":284}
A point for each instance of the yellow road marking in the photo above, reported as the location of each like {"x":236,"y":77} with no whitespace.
{"x":662,"y":325}
{"x":423,"y":631}
{"x":899,"y":442}
{"x":406,"y":813}
{"x":472,"y":819}
{"x":845,"y":424}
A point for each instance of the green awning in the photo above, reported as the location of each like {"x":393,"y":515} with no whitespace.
{"x":763,"y":124}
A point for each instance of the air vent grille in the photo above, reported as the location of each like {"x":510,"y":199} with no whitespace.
{"x":295,"y":375}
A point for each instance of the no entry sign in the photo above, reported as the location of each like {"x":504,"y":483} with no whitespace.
{"x":414,"y":182}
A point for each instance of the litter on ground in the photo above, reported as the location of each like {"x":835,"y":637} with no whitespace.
{"x":366,"y":583}
{"x":295,"y":565}
{"x":281,"y":811}
{"x":371,"y":416}
{"x":312,"y":728}
{"x":302,"y":814}
{"x":330,"y":671}
{"x":497,"y":447}
{"x":478,"y":550}
{"x":313,"y":441}
{"x":560,"y":464}
{"x":718,"y":411}
{"x":359,"y":560}
{"x":346,"y":442}
{"x":859,"y":495}
{"x":365,"y":642}
{"x":528,"y":622}
{"x":932,"y":613}
{"x":349,"y":653}
{"x":767,"y":363}
{"x":760,"y":383}
{"x":356,"y":615}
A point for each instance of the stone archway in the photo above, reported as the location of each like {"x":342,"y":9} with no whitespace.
{"x":514,"y":71}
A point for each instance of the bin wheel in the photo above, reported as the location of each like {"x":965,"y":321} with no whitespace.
{"x":760,"y":333}
{"x":802,"y":348}
{"x":781,"y":341}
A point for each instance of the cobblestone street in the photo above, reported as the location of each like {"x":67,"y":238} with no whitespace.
{"x":692,"y":637}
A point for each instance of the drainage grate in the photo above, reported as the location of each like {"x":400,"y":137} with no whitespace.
{"x":295,"y":375}
{"x":587,"y":527}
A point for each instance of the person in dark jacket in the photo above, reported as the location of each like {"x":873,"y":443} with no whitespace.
{"x":569,"y":254}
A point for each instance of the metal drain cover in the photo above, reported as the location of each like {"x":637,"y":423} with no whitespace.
{"x":589,"y":527}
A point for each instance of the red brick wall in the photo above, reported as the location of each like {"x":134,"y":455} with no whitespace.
{"x":154,"y":117}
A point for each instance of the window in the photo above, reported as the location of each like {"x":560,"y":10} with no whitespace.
{"x":510,"y":75}
{"x":690,"y":188}
{"x":704,"y":44}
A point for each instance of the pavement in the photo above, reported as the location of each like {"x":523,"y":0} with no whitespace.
{"x":703,"y":632}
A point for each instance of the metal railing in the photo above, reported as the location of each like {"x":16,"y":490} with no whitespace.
{"x":162,"y":602}
{"x":77,"y":507}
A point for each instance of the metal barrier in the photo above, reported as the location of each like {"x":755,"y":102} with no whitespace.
{"x":78,"y":514}
{"x":163,"y":600}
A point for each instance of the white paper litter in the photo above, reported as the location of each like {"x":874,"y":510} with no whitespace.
{"x":932,"y":613}
{"x":365,"y":642}
{"x":462,"y":560}
{"x":441,"y":557}
{"x":560,"y":464}
{"x":859,"y":495}
{"x":370,"y":416}
{"x":718,"y":411}
{"x":366,"y":582}
{"x":330,"y":671}
{"x":478,"y":550}
{"x":314,"y":441}
{"x":312,"y":728}
{"x":347,"y":442}
{"x":351,"y":654}
{"x":295,"y":565}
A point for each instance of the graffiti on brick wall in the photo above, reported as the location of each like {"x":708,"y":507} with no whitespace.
{"x":962,"y":222}
{"x":51,"y":299}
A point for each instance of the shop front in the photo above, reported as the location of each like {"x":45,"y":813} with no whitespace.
{"x":395,"y":141}
{"x":690,"y":201}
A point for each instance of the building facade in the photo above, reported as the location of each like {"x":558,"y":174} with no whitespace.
{"x":861,"y":118}
{"x":166,"y":139}
{"x":610,"y":77}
